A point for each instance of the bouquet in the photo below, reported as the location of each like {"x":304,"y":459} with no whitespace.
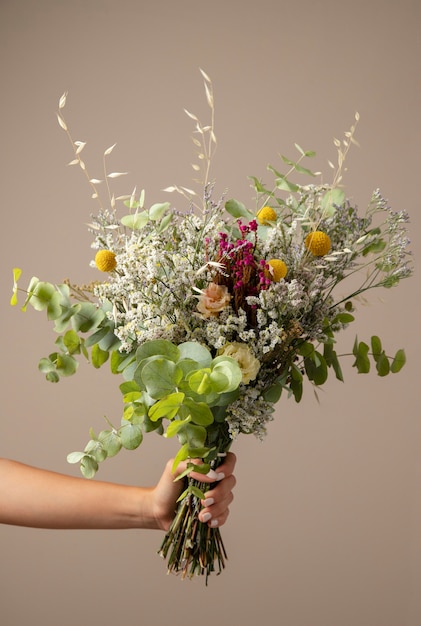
{"x":210,"y":314}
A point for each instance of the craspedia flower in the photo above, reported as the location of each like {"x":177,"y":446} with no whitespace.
{"x":105,"y":260}
{"x":318,"y":243}
{"x":277,"y":270}
{"x":266,"y":214}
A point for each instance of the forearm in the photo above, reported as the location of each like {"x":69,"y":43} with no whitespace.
{"x":40,"y":498}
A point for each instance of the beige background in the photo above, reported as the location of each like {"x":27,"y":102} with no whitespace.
{"x":325,"y":528}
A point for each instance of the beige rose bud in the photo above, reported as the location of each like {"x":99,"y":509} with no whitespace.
{"x":249,"y":365}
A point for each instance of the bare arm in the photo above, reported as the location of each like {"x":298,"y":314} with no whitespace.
{"x":40,"y":498}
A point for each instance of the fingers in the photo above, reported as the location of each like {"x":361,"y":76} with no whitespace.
{"x":217,"y":501}
{"x":216,"y":504}
{"x":223,"y":470}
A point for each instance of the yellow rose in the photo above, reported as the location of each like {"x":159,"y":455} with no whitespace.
{"x":213,"y":300}
{"x":249,"y":365}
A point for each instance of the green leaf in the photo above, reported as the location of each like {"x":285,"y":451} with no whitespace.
{"x":196,"y":352}
{"x":181,"y":455}
{"x":332,"y":198}
{"x":158,"y":347}
{"x":167,"y":407}
{"x":200,"y":382}
{"x":343,"y":318}
{"x":231,"y":369}
{"x":376,"y":347}
{"x":44,"y":297}
{"x":273,"y":393}
{"x":157,"y":210}
{"x":259,"y":187}
{"x":88,"y":466}
{"x":98,"y":356}
{"x":66,"y":365}
{"x":164,"y":223}
{"x":398,"y":362}
{"x":193,"y":435}
{"x":316,"y":368}
{"x":237,"y":209}
{"x":382,"y":365}
{"x":362,"y":362}
{"x":296,"y":383}
{"x":75,"y":457}
{"x":110,"y":441}
{"x":88,"y":317}
{"x":72,"y":342}
{"x":160,"y":377}
{"x":306,"y":349}
{"x":131,"y":435}
{"x":332,"y":360}
{"x":16,"y":275}
{"x":128,"y":386}
{"x":285,"y":185}
{"x":94,"y":449}
{"x":200,"y":412}
{"x":175,"y":425}
{"x":135,"y":221}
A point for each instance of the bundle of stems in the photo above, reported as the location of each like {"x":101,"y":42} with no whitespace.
{"x":192,"y":547}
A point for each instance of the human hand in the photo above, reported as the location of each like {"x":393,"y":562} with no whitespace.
{"x":215,"y":509}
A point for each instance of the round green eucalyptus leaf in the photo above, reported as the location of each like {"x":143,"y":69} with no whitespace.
{"x":95,"y":449}
{"x":66,"y":365}
{"x":135,"y":221}
{"x":98,"y":356}
{"x":110,"y":441}
{"x":131,"y":435}
{"x":160,"y":377}
{"x":42,"y":294}
{"x":199,"y":412}
{"x":200,"y":382}
{"x":157,"y":210}
{"x":231,"y":369}
{"x":75,"y":457}
{"x":87,"y":318}
{"x":398,"y":361}
{"x":273,"y":393}
{"x":160,"y":347}
{"x":88,"y":466}
{"x":192,"y":435}
{"x":219,"y":382}
{"x":72,"y":342}
{"x":196,"y":352}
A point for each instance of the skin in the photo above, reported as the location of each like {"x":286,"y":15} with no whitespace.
{"x":39,"y":498}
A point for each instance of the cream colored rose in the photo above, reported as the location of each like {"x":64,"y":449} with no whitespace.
{"x":249,"y":365}
{"x":213,"y":300}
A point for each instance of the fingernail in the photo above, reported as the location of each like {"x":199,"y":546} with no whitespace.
{"x":214,"y":523}
{"x":213,"y":474}
{"x":220,"y":476}
{"x":206,"y":517}
{"x":208,"y":502}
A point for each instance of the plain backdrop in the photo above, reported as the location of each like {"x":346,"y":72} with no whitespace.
{"x":325,"y":526}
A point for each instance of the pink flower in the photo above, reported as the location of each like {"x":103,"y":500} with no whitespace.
{"x":213,"y":300}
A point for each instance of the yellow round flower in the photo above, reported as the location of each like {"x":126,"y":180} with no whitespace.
{"x":266,"y":214}
{"x":318,"y":243}
{"x":277,"y":270}
{"x":105,"y":260}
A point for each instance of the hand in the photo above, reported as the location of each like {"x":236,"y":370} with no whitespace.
{"x":215,"y":509}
